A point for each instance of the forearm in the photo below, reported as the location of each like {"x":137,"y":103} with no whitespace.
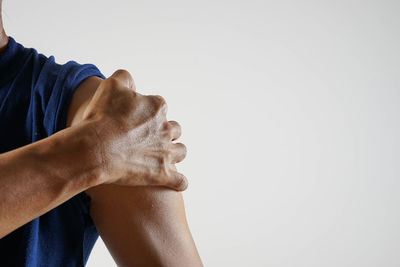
{"x":40,"y":176}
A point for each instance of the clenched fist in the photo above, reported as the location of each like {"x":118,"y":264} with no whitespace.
{"x":133,"y":135}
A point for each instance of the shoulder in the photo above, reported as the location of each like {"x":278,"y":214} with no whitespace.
{"x":81,"y":98}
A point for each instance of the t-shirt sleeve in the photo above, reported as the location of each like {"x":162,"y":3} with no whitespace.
{"x":58,"y":95}
{"x":54,"y":89}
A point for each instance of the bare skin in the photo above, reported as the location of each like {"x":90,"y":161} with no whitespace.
{"x":29,"y":188}
{"x":108,"y":152}
{"x":80,"y":157}
{"x":141,"y":226}
{"x":134,"y":137}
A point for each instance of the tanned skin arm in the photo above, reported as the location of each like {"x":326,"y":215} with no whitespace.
{"x":38,"y":177}
{"x":141,"y":226}
{"x":133,"y":149}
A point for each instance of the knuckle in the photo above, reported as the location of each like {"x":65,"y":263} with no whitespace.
{"x":166,"y":131}
{"x":183,"y":148}
{"x":122,"y":72}
{"x":160,"y":103}
{"x":177,"y":128}
{"x":182,"y":183}
{"x":175,"y":124}
{"x":168,"y":134}
{"x":166,"y":126}
{"x":127,"y":77}
{"x":159,"y":99}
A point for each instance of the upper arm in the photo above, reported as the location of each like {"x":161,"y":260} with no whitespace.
{"x":81,"y":98}
{"x":144,"y":226}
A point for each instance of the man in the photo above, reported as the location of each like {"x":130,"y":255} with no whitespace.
{"x":116,"y":141}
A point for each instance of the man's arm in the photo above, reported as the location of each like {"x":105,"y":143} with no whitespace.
{"x":40,"y":176}
{"x":132,"y":150}
{"x":143,"y":226}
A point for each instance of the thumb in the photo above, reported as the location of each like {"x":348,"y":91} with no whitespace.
{"x":125,"y":78}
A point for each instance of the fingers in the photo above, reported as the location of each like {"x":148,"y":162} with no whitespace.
{"x":125,"y":78}
{"x":178,"y":181}
{"x":159,"y":102}
{"x":175,"y":130}
{"x":178,"y":152}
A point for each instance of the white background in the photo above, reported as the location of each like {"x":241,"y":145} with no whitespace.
{"x":289,"y":110}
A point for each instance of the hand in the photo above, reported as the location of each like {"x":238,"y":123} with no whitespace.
{"x":134,"y":136}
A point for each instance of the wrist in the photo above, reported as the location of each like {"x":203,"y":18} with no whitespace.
{"x":72,"y":155}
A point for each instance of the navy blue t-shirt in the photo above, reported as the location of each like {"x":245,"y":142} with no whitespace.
{"x":35,"y":93}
